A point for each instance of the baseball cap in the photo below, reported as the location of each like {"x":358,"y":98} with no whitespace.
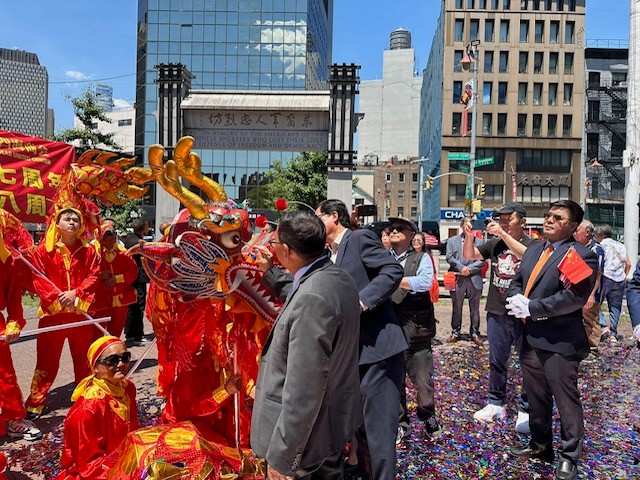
{"x":511,"y":207}
{"x":404,"y":220}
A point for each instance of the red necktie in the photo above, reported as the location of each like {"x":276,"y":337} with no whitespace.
{"x":546,"y":253}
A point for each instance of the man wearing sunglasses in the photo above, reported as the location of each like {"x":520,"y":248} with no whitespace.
{"x":118,"y":271}
{"x":554,"y":340}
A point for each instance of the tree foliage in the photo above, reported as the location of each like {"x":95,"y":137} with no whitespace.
{"x":123,"y":214}
{"x":87,"y":110}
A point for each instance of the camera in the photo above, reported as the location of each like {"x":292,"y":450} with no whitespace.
{"x":487,"y":221}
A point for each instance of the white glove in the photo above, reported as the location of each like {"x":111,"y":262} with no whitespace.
{"x":636,"y":332}
{"x":518,"y":306}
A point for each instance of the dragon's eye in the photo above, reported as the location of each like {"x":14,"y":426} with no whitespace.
{"x":230,"y":239}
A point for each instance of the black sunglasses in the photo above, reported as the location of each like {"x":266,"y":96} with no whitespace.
{"x":399,"y":228}
{"x":556,"y":217}
{"x":114,"y":360}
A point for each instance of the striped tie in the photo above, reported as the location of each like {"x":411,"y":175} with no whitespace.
{"x":536,"y":270}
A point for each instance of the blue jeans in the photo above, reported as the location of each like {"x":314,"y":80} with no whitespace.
{"x":502,"y":332}
{"x":612,"y":292}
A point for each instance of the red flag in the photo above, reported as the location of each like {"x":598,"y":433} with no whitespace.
{"x":573,"y":267}
{"x":430,"y":240}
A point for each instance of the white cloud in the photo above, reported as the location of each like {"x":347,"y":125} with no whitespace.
{"x":76,"y":75}
{"x":121,"y":103}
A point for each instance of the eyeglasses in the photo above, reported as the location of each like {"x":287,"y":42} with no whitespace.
{"x":556,"y":217}
{"x":399,"y":228}
{"x":114,"y":360}
{"x":273,"y":242}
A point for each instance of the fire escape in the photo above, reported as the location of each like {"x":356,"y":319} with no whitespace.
{"x":617,"y":126}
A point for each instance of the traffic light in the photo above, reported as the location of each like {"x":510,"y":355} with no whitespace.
{"x":428,"y":184}
{"x":481,"y":190}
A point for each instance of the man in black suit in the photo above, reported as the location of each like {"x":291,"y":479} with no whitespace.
{"x":554,"y":340}
{"x":382,"y":342}
{"x":134,"y":328}
{"x":307,"y":392}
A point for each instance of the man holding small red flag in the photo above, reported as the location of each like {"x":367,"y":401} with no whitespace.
{"x":554,"y":282}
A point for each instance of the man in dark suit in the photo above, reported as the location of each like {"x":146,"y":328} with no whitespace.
{"x":382,"y":342}
{"x":134,"y":328}
{"x":633,"y":303}
{"x":307,"y":398}
{"x":554,"y":340}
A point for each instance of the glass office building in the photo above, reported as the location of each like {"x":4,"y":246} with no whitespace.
{"x":231,"y":45}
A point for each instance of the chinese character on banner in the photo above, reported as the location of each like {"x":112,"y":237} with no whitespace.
{"x":30,"y":172}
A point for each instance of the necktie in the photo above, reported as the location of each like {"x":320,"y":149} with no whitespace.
{"x":536,"y":269}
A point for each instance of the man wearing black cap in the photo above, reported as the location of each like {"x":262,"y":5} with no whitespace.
{"x":503,"y":330}
{"x":413,"y":307}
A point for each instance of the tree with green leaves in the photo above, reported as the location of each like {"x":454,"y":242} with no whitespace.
{"x":123,"y":214}
{"x":87,"y":110}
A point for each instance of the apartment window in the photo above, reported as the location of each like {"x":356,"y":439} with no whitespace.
{"x":458,"y":3}
{"x":506,"y":4}
{"x":414,"y":212}
{"x":554,"y":32}
{"x":553,"y":63}
{"x":414,"y":177}
{"x":523,"y":61}
{"x":548,"y":5}
{"x":568,"y":65}
{"x":488,"y":62}
{"x":594,"y":79}
{"x":522,"y":124}
{"x":566,"y":125}
{"x":504,"y":30}
{"x":387,"y":177}
{"x":457,"y":192}
{"x":524,"y":4}
{"x":618,"y":145}
{"x":567,"y":99}
{"x":617,"y":78}
{"x":474,"y":29}
{"x":401,"y":211}
{"x":124,"y":123}
{"x":539,"y":194}
{"x":471,"y":4}
{"x":504,"y":62}
{"x":400,"y":194}
{"x":502,"y":124}
{"x":552,"y":122}
{"x":537,"y":124}
{"x":524,"y":31}
{"x":459,"y":31}
{"x":401,"y":177}
{"x":489,"y":27}
{"x":572,"y":5}
{"x":457,"y":56}
{"x":456,"y":122}
{"x":494,"y":193}
{"x":553,"y":94}
{"x":486,"y":92}
{"x":538,"y":58}
{"x":536,"y":4}
{"x":537,"y":94}
{"x":522,"y":94}
{"x":487,"y":119}
{"x":539,"y":35}
{"x":494,"y":4}
{"x":618,"y":110}
{"x":457,"y":91}
{"x":502,"y":93}
{"x":593,"y":111}
{"x":593,"y":145}
{"x":414,"y":194}
{"x":569,"y":32}
{"x":483,"y":4}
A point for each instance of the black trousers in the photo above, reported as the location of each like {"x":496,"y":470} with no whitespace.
{"x":381,"y":384}
{"x":332,"y":468}
{"x":133,"y":328}
{"x":465,"y":289}
{"x":548,"y":376}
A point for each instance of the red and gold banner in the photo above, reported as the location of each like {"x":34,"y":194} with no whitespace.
{"x":30,"y":171}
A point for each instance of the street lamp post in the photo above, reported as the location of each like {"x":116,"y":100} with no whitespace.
{"x":470,"y":57}
{"x":420,"y":162}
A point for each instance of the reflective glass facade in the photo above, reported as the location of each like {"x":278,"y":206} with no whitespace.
{"x":232,"y":45}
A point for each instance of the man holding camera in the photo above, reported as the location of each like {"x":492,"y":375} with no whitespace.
{"x":503,"y":330}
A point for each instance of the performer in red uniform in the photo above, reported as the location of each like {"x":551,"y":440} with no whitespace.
{"x":72,"y":265}
{"x":118,"y":271}
{"x":104,"y":413}
{"x":11,"y":404}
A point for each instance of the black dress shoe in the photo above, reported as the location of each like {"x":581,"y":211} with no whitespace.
{"x":541,"y":452}
{"x":566,"y":470}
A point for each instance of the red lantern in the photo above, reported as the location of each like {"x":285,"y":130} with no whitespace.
{"x":281,"y":204}
{"x":261,"y":221}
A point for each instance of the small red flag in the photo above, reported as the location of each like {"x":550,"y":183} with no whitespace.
{"x":573,"y":267}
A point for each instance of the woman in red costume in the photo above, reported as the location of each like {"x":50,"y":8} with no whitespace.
{"x":103,"y":414}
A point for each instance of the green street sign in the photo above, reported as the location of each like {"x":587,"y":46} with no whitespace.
{"x":483,"y":162}
{"x":464,"y":168}
{"x":458,"y":156}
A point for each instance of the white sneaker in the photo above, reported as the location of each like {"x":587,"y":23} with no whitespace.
{"x":24,"y":429}
{"x":489,"y":412}
{"x":522,"y":423}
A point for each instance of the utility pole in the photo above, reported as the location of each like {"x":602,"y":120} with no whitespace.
{"x":471,"y":58}
{"x":631,"y":156}
{"x":420,"y":162}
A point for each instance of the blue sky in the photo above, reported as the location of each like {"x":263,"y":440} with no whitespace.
{"x":81,"y":41}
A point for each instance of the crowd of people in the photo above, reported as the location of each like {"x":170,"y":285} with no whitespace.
{"x":357,"y":317}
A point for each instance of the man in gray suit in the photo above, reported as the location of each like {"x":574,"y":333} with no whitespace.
{"x":469,"y":285}
{"x":308,"y":387}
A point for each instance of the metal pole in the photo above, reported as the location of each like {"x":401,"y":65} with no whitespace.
{"x":631,"y":157}
{"x":420,"y":192}
{"x":474,"y":120}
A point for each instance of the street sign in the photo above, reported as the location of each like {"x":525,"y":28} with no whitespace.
{"x":464,"y":168}
{"x":458,"y":156}
{"x":483,"y":162}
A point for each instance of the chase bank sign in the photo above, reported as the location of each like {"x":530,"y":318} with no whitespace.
{"x":457,"y":214}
